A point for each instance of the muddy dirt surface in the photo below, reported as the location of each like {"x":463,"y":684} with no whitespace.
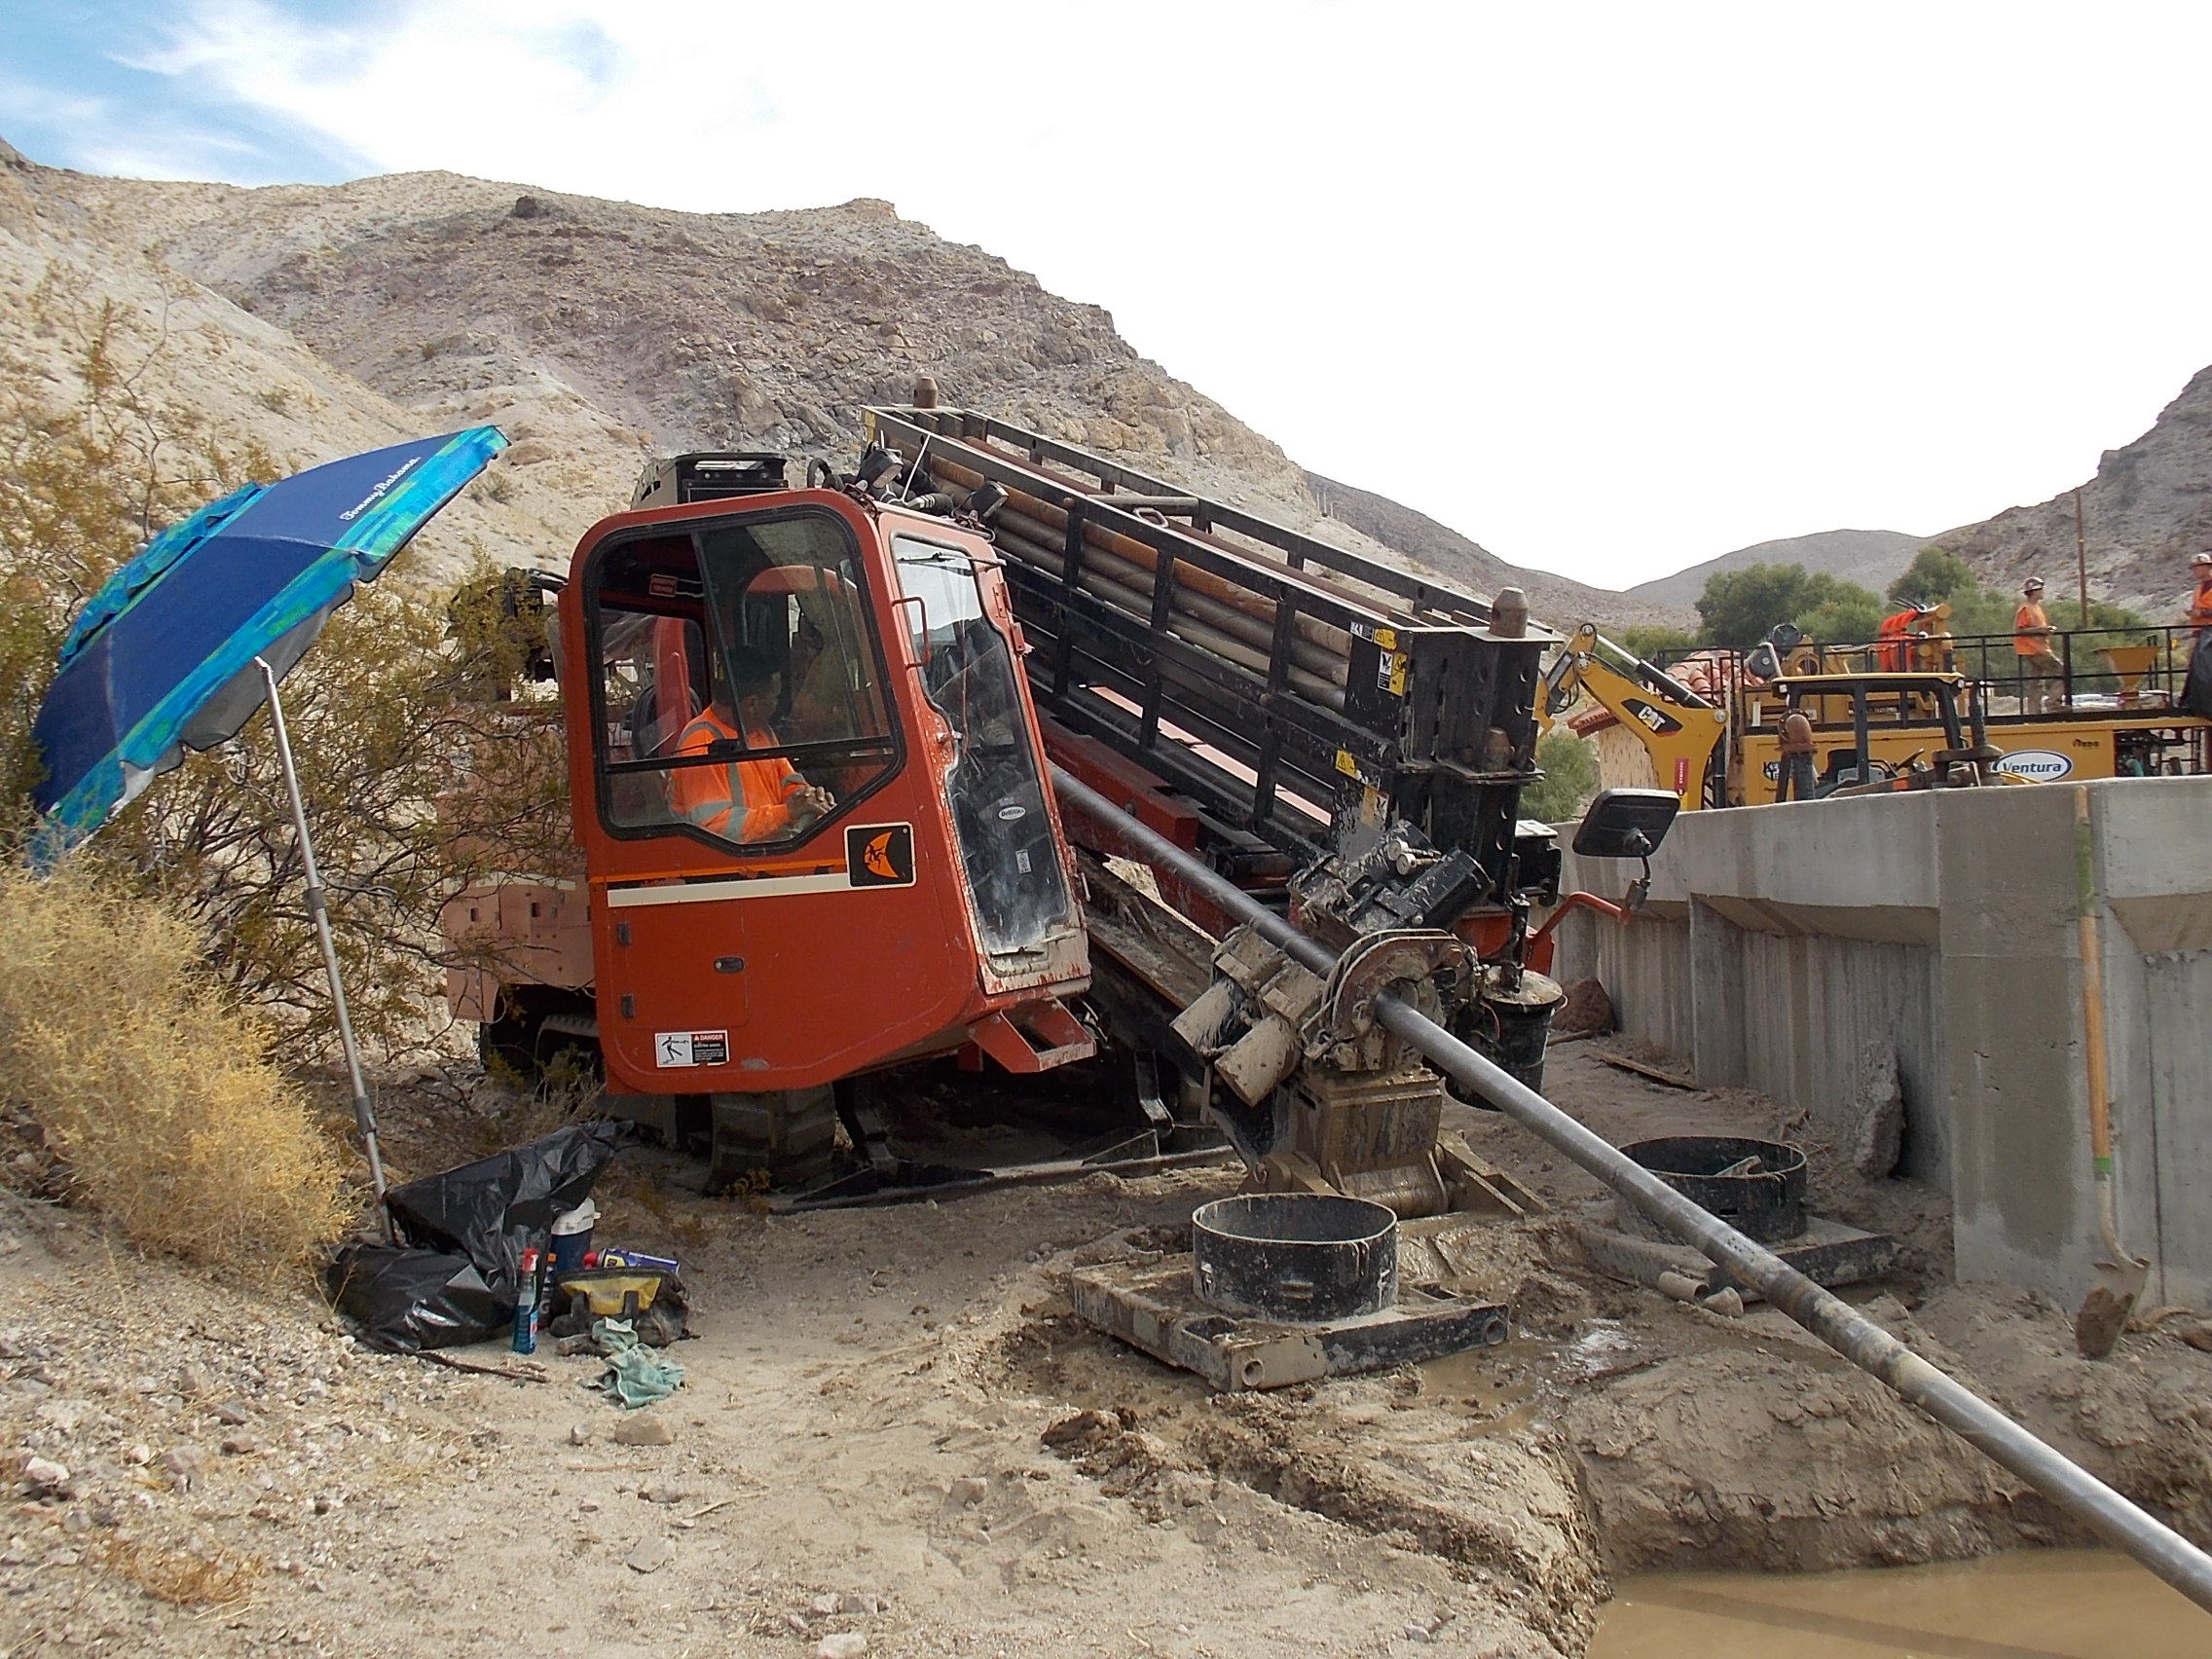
{"x":893,"y":1432}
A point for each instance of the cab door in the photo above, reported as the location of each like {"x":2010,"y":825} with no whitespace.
{"x":812,"y":927}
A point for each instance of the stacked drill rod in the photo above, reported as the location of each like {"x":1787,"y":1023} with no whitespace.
{"x":1243,"y":661}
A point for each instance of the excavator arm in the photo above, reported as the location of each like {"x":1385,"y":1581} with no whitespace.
{"x":1679,"y":728}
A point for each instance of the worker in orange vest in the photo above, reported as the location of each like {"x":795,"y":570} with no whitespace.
{"x":2041,"y":672}
{"x":744,"y":800}
{"x":2200,"y":602}
{"x":1894,"y":653}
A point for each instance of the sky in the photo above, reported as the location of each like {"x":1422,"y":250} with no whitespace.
{"x":1611,"y":288}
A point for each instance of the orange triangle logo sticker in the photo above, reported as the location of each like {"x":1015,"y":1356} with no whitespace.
{"x":876,"y":858}
{"x":880,"y":855}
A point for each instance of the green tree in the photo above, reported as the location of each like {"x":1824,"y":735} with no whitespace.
{"x":1651,"y":640}
{"x":1569,"y":766}
{"x":1933,"y":577}
{"x":1738,"y":608}
{"x":1845,"y":614}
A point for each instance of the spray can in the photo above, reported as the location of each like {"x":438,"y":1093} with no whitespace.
{"x":526,"y":1305}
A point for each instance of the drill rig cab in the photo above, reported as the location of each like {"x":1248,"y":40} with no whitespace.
{"x":810,"y":797}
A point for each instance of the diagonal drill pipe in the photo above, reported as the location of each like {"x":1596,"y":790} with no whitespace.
{"x":2158,"y":1547}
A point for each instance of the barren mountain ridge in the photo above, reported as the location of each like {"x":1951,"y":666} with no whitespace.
{"x":595,"y":333}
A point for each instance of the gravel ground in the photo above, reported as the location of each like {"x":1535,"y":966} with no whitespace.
{"x":894,"y":1439}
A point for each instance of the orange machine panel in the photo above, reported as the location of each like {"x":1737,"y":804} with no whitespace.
{"x":839,"y":946}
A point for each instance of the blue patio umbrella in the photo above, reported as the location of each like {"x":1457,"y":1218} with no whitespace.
{"x":182,"y":643}
{"x":161,"y":658}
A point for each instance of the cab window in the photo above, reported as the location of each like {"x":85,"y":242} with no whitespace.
{"x":740,"y":690}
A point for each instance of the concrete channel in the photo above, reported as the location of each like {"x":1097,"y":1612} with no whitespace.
{"x":1784,"y":948}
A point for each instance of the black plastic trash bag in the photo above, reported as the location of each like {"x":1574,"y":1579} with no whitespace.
{"x":492,"y":1210}
{"x":408,"y":1299}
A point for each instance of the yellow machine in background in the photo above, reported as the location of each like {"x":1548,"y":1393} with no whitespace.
{"x":1710,"y":727}
{"x":1679,"y":728}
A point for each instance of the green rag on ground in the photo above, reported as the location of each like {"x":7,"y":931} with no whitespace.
{"x":635,"y":1375}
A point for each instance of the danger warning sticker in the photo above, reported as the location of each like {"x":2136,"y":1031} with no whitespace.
{"x":692,"y":1048}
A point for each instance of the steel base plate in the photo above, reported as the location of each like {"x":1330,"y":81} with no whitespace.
{"x":1152,"y":1305}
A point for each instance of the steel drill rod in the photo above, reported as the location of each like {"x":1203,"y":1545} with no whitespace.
{"x":1134,"y":585}
{"x":2113,"y":1517}
{"x":1051,"y":524}
{"x":1183,"y":625}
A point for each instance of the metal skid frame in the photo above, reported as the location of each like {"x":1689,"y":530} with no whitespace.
{"x":1154,"y":1306}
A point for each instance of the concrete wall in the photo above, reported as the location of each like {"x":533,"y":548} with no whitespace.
{"x":1780,"y":941}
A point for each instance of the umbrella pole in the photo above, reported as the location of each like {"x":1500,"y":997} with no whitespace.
{"x":364,"y":1115}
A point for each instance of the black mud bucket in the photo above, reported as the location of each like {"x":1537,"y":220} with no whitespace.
{"x":1301,"y":1257}
{"x":1509,"y":1028}
{"x":1763,"y":1199}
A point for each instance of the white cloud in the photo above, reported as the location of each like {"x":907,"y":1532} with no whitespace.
{"x":1612,"y":287}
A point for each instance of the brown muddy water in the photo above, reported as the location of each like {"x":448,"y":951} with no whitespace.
{"x":2045,"y":1604}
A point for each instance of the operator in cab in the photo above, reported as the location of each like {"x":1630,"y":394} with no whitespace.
{"x":747,"y":799}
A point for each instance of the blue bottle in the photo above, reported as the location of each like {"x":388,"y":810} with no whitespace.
{"x":526,"y":1305}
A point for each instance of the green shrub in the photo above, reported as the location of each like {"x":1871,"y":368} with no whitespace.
{"x":1570,"y":765}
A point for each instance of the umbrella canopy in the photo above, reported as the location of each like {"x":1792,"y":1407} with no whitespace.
{"x":161,"y":658}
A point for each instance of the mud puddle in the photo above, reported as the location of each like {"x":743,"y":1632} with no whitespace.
{"x":2040,"y":1605}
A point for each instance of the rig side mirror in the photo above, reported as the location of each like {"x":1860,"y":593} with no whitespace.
{"x":1626,"y":824}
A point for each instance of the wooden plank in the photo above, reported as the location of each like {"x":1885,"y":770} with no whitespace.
{"x":1621,"y":1063}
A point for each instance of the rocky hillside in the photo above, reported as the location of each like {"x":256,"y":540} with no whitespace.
{"x":320,"y":319}
{"x":1871,"y":558}
{"x":2147,"y":510}
{"x":214,"y":373}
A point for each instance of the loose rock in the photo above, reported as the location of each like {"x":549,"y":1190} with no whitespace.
{"x":650,"y":1555}
{"x":647,"y":1428}
{"x":1587,"y":1011}
{"x":43,"y":1475}
{"x":845,"y":1645}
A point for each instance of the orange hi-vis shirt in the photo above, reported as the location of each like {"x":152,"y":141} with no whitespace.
{"x":2025,"y":644}
{"x":710,"y":797}
{"x":1893,"y":652}
{"x":2200,"y":606}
